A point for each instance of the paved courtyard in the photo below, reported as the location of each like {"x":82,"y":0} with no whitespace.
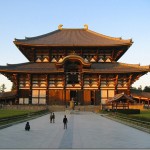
{"x":85,"y":130}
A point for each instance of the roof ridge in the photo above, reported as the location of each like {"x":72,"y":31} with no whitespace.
{"x":72,"y":29}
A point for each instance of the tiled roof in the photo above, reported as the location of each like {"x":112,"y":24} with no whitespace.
{"x":141,"y":95}
{"x":7,"y":95}
{"x":114,"y":67}
{"x":73,"y":37}
{"x":30,"y":68}
{"x":120,"y":96}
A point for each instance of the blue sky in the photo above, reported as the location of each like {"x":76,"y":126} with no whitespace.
{"x":116,"y":18}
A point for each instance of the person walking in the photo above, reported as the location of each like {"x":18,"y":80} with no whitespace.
{"x":27,"y":126}
{"x":65,"y":121}
{"x":53,"y":117}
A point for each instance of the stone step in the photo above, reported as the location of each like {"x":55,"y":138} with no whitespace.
{"x":91,"y":108}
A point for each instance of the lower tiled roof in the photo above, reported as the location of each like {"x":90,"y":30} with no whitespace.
{"x":30,"y":68}
{"x":114,"y":67}
{"x":7,"y":95}
{"x":141,"y":95}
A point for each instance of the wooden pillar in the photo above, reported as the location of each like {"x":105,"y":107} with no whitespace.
{"x":82,"y":84}
{"x":97,"y":97}
{"x":16,"y":83}
{"x":99,"y":81}
{"x":30,"y":93}
{"x":112,"y":56}
{"x":64,"y":84}
{"x":47,"y":89}
{"x":129,"y":84}
{"x":116,"y":83}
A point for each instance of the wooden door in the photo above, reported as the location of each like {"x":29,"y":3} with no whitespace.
{"x":97,"y":97}
{"x":87,"y":97}
{"x":51,"y":97}
{"x":67,"y":96}
{"x":80,"y":97}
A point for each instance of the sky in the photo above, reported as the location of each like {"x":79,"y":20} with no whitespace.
{"x":115,"y":18}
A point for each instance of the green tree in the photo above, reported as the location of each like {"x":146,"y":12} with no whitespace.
{"x":135,"y":89}
{"x":2,"y":88}
{"x":147,"y":89}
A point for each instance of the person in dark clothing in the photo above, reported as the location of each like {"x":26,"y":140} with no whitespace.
{"x":65,"y":121}
{"x":27,"y":127}
{"x":53,"y":117}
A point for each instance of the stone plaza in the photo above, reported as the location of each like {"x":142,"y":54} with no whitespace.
{"x":85,"y":130}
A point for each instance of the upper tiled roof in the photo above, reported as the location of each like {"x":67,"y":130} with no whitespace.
{"x":114,"y":67}
{"x":73,"y":37}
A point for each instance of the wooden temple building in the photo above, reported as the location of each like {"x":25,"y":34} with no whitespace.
{"x":71,"y":64}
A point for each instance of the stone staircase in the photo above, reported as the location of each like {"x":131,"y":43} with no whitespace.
{"x":91,"y":108}
{"x":56,"y":108}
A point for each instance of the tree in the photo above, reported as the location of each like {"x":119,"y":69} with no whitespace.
{"x":133,"y":88}
{"x":146,"y":89}
{"x":137,"y":90}
{"x":2,"y":88}
{"x":140,"y":88}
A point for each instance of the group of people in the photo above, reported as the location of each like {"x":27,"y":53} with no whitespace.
{"x":52,"y":119}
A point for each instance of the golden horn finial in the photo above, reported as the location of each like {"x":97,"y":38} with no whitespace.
{"x":60,"y":27}
{"x":86,"y":27}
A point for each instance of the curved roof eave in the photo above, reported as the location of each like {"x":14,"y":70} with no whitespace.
{"x":32,"y":72}
{"x":55,"y":45}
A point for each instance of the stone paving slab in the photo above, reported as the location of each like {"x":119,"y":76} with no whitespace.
{"x":85,"y":130}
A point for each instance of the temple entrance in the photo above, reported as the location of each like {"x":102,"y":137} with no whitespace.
{"x":73,"y":96}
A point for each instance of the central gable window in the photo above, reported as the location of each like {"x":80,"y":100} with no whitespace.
{"x":73,"y":78}
{"x":72,"y":69}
